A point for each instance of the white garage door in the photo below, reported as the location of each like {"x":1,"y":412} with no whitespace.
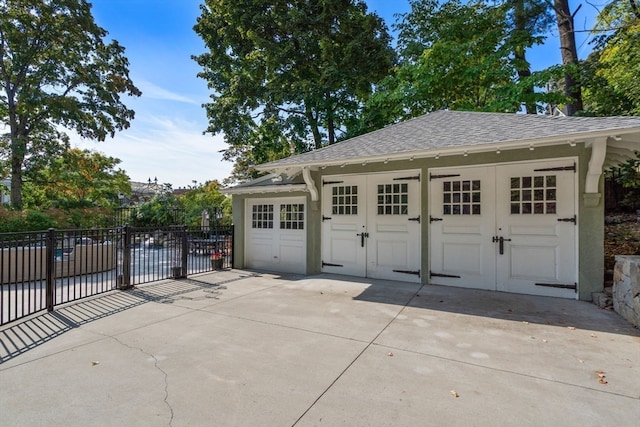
{"x":507,"y":227}
{"x":371,"y":225}
{"x":276,"y":235}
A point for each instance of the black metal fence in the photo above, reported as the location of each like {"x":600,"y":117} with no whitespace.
{"x":39,"y":270}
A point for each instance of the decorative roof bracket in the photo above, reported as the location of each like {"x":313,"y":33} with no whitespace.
{"x":311,"y":186}
{"x":594,"y":172}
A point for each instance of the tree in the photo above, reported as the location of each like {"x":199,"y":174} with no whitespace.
{"x":56,"y":72}
{"x":78,"y":179}
{"x":530,"y":19}
{"x":569,"y":52}
{"x":287,"y":75}
{"x":610,"y":73}
{"x":205,"y":197}
{"x":453,"y":55}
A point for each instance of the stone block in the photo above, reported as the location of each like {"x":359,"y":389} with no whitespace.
{"x":602,"y":300}
{"x":626,"y":288}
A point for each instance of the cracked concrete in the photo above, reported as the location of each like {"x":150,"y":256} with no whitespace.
{"x":236,"y":349}
{"x":157,"y":366}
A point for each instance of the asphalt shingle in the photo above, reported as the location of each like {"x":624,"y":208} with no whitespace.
{"x":450,"y":129}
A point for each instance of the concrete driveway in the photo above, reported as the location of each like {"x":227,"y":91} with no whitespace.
{"x":235,"y":348}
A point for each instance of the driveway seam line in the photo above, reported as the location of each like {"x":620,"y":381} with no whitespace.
{"x":462,"y":362}
{"x":366,"y":347}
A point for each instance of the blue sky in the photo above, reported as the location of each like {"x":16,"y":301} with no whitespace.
{"x":165,"y":139}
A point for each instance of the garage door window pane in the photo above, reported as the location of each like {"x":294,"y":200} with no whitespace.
{"x":292,"y":216}
{"x":543,"y":194}
{"x":393,"y":199}
{"x":461,"y":197}
{"x":347,"y":201}
{"x":262,"y":216}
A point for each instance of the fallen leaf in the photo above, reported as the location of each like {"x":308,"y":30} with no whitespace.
{"x":95,"y":362}
{"x":580,"y":360}
{"x":601,"y":377}
{"x":544,"y":340}
{"x":454,"y":393}
{"x":532,"y":337}
{"x":525,"y":322}
{"x":571,"y":328}
{"x":593,"y":335}
{"x":390,"y":354}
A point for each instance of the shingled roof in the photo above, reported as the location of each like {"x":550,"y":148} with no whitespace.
{"x":451,"y":130}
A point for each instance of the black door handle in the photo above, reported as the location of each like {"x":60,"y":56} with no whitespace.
{"x":501,"y":245}
{"x":362,"y":236}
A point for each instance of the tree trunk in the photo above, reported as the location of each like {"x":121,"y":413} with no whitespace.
{"x":313,"y":123}
{"x":17,"y":147}
{"x":569,"y":53}
{"x":522,"y":66}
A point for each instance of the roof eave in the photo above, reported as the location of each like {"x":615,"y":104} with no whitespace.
{"x":574,"y":138}
{"x":287,"y":188}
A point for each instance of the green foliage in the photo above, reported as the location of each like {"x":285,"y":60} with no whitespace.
{"x":454,"y":55}
{"x":612,"y":85}
{"x":56,"y":72}
{"x":286,"y":76}
{"x":163,"y":209}
{"x":629,"y":176}
{"x":78,"y":179}
{"x":36,"y":220}
{"x":206,"y":197}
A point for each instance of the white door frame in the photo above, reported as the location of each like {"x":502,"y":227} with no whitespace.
{"x":513,"y":227}
{"x":280,"y":249}
{"x":370,"y":243}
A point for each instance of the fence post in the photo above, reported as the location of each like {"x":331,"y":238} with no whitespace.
{"x":233,"y":246}
{"x":126,"y":258}
{"x":50,"y":266}
{"x":185,"y":249}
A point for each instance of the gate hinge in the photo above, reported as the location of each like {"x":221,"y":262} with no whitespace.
{"x":415,"y":273}
{"x":407,"y":178}
{"x":561,"y":168}
{"x":573,"y":219}
{"x":431,"y":176}
{"x":432,"y":274}
{"x":559,"y":285}
{"x":415,"y":219}
{"x":328,"y":264}
{"x":331,"y":182}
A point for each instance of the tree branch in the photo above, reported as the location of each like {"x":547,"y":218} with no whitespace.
{"x":635,"y":8}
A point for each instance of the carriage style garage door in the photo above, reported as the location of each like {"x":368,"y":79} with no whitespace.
{"x":371,"y":225}
{"x":509,"y":228}
{"x":276,"y":234}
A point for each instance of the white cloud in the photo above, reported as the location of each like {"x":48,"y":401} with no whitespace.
{"x":172,"y":149}
{"x":152,"y":91}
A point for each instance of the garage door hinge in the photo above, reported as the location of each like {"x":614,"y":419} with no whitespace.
{"x":407,"y":178}
{"x":432,"y":274}
{"x":328,"y":264}
{"x":431,"y":176}
{"x":561,"y":168}
{"x":324,"y":218}
{"x":415,"y":219}
{"x":559,"y":285}
{"x":572,"y":219}
{"x":432,"y":219}
{"x":331,"y":182}
{"x":415,"y":273}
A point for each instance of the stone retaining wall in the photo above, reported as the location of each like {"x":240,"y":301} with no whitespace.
{"x":626,"y":287}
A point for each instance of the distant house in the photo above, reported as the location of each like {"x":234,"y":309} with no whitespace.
{"x":143,"y":192}
{"x":503,"y":202}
